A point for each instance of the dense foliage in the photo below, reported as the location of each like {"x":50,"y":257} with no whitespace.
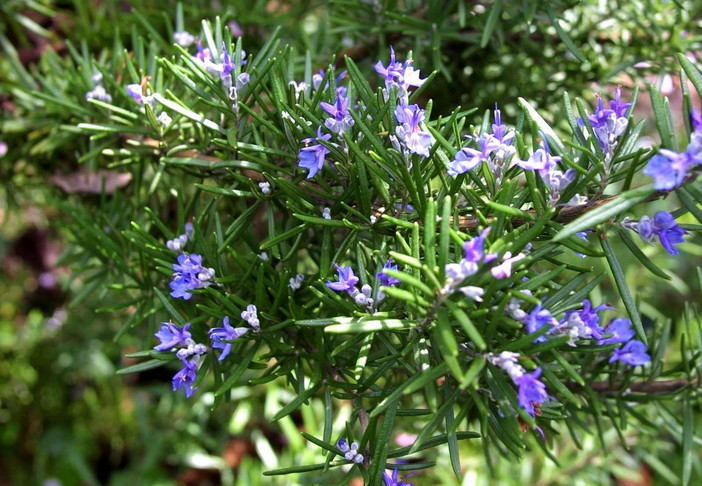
{"x":369,"y":238}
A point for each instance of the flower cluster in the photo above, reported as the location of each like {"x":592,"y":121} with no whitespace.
{"x":547,"y":165}
{"x":494,"y":148}
{"x":350,"y":452}
{"x":663,"y":226}
{"x":340,"y":120}
{"x":174,"y":337}
{"x":474,"y":254}
{"x":530,"y":390}
{"x":98,"y":92}
{"x":669,"y":168}
{"x":348,"y":281}
{"x":222,"y":337}
{"x":400,"y":77}
{"x":189,"y":274}
{"x":585,"y":324}
{"x":609,"y":123}
{"x":296,"y":282}
{"x":409,"y":132}
{"x":456,"y":273}
{"x":179,"y":242}
{"x":188,"y":352}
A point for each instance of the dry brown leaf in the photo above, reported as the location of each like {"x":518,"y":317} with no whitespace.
{"x":90,"y":182}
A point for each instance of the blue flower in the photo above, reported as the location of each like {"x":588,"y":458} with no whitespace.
{"x":386,"y":279}
{"x":536,"y":319}
{"x":619,"y":331}
{"x":498,"y":143}
{"x":312,"y":156}
{"x":350,"y":452}
{"x":500,"y":131}
{"x":530,"y":391}
{"x":177,"y":243}
{"x":186,"y":377}
{"x":394,"y":480}
{"x":696,"y":120}
{"x":547,"y":166}
{"x":222,"y":337}
{"x":473,"y":249}
{"x":415,"y":139}
{"x":250,"y":315}
{"x":669,"y":168}
{"x":189,"y":275}
{"x":171,"y":335}
{"x":469,"y":158}
{"x":340,"y":120}
{"x":664,"y":226}
{"x":399,"y":75}
{"x":347,"y":280}
{"x":632,"y":353}
{"x":609,"y":123}
{"x":583,"y":323}
{"x":134,"y":91}
{"x":541,"y":160}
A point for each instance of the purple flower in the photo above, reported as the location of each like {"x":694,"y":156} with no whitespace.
{"x":177,"y":243}
{"x":609,"y":123}
{"x":473,"y":248}
{"x":498,"y":143}
{"x":99,"y":93}
{"x":347,"y":280}
{"x":669,"y":168}
{"x":696,"y":120}
{"x":171,"y":335}
{"x":189,"y":275}
{"x":500,"y":131}
{"x":536,"y":319}
{"x":183,"y":38}
{"x":504,"y":269}
{"x":340,"y":120}
{"x":134,"y":91}
{"x":664,"y":226}
{"x":415,"y":139}
{"x":632,"y":353}
{"x":584,"y":323}
{"x":620,"y":331}
{"x":541,"y":160}
{"x":220,"y":336}
{"x":399,"y":75}
{"x":468,"y":158}
{"x":312,"y":156}
{"x":250,"y":315}
{"x":203,"y":55}
{"x":547,"y":166}
{"x":386,"y":279}
{"x":350,"y":452}
{"x":530,"y":391}
{"x":394,"y":480}
{"x":186,"y":377}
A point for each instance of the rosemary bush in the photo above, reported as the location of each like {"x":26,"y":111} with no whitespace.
{"x":333,"y":244}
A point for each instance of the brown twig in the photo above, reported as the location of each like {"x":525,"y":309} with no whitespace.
{"x":650,"y":387}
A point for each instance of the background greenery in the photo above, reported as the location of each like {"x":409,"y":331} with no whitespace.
{"x":66,"y":415}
